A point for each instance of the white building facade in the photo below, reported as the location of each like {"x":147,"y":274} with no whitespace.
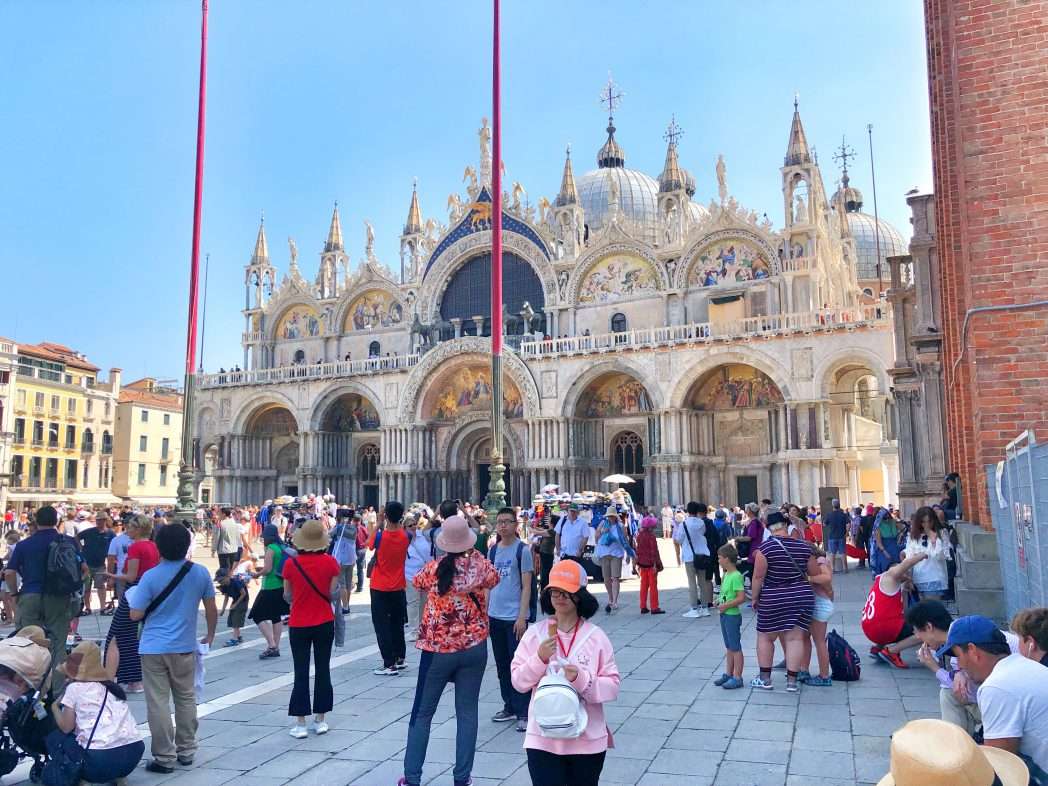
{"x":696,"y":348}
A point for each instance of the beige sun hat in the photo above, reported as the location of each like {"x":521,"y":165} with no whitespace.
{"x":311,"y":536}
{"x":931,"y":752}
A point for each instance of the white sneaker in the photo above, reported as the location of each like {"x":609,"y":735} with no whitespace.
{"x":704,"y":612}
{"x":410,"y":636}
{"x":298,"y":732}
{"x":385,"y":672}
{"x":692,"y":614}
{"x":319,"y":727}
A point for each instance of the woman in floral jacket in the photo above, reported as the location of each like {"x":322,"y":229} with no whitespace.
{"x":453,"y":637}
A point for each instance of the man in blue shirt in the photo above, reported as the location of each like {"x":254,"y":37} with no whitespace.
{"x":168,"y":646}
{"x":835,"y":529}
{"x":35,"y":606}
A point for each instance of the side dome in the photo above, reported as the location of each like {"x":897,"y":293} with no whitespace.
{"x":864,"y":228}
{"x":638,"y":200}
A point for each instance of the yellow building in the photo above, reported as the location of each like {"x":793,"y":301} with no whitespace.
{"x":63,"y":428}
{"x":148,"y":443}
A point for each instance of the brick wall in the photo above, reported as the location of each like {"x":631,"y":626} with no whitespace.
{"x":988,"y":88}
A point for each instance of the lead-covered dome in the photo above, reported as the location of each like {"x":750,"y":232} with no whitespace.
{"x":638,"y":200}
{"x":868,"y":232}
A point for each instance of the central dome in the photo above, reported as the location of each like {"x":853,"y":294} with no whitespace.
{"x":638,"y":200}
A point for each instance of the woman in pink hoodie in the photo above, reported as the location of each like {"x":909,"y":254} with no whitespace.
{"x":584,"y":651}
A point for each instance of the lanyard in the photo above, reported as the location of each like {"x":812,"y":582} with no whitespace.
{"x":572,"y":642}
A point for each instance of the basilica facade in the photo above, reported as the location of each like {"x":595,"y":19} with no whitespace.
{"x":693,"y":346}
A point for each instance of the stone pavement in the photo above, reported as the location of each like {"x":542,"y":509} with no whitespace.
{"x":671,"y":725}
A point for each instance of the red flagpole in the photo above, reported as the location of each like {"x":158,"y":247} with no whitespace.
{"x":496,"y":195}
{"x":198,"y":193}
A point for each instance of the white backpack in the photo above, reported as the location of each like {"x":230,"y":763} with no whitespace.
{"x":557,"y":707}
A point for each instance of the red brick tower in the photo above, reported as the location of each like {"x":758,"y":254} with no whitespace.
{"x":988,"y":86}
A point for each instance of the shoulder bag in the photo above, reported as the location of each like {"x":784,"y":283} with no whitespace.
{"x":374,"y":557}
{"x":309,"y":581}
{"x":803,"y":573}
{"x":175,"y":581}
{"x":701,"y":562}
{"x":65,"y":756}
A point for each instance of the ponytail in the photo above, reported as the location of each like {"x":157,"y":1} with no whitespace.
{"x":446,"y":572}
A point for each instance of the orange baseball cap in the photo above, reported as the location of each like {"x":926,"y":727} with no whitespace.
{"x":568,"y":575}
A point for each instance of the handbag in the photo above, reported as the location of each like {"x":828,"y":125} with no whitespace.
{"x":374,"y":557}
{"x":65,"y":756}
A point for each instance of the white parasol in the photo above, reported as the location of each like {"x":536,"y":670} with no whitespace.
{"x":549,"y":488}
{"x":619,"y":479}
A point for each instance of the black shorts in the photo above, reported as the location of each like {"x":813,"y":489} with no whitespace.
{"x":905,"y":633}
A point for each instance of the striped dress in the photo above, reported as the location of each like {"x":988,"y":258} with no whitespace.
{"x":786,"y":598}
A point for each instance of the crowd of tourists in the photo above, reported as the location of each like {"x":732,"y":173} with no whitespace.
{"x":449,"y":581}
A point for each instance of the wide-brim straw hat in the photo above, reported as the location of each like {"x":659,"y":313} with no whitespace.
{"x":311,"y":536}
{"x":84,"y":664}
{"x":456,"y":536}
{"x":931,"y":752}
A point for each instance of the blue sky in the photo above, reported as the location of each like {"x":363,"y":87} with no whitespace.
{"x":312,"y":102}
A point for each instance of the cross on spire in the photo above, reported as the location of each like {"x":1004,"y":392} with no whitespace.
{"x":611,"y":96}
{"x":843,"y":155}
{"x":673,"y":131}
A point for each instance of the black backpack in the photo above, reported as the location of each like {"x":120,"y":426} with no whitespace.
{"x":713,"y":538}
{"x":62,"y":576}
{"x":844,"y":660}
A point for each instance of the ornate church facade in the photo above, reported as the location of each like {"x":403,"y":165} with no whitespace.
{"x":695,"y":348}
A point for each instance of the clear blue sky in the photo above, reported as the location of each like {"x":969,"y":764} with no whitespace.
{"x":315,"y":101}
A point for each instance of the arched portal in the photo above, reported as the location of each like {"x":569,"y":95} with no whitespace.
{"x":349,"y":428}
{"x":266,"y":455}
{"x":470,"y":463}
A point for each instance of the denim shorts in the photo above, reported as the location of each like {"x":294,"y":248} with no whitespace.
{"x":823,"y":609}
{"x":835,"y":546}
{"x":731,"y":631}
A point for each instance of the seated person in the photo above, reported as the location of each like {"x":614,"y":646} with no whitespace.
{"x":883,"y":616}
{"x":1013,"y":691}
{"x":1031,"y":626}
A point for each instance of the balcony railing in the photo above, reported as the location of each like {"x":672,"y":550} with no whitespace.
{"x":38,"y":410}
{"x":795,"y":264}
{"x":253,"y":337}
{"x":19,"y":439}
{"x":297,"y":373}
{"x":38,"y":443}
{"x":708,"y":332}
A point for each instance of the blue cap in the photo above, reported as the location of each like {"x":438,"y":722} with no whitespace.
{"x":972,"y":629}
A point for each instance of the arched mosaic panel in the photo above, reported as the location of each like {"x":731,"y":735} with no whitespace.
{"x":299,"y":322}
{"x":729,"y":261}
{"x":468,"y":389}
{"x":617,"y":277}
{"x":375,"y":308}
{"x":612,"y":395}
{"x":736,"y":386}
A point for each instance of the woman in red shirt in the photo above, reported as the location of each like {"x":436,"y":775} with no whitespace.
{"x":121,"y":650}
{"x":311,"y":585}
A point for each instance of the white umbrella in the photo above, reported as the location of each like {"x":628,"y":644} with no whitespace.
{"x":549,"y":488}
{"x":619,"y":479}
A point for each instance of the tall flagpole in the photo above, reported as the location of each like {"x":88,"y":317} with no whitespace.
{"x":496,"y":497}
{"x":184,"y":509}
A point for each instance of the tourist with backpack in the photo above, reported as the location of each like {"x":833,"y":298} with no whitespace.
{"x":453,"y":640}
{"x":511,"y":606}
{"x":270,"y":608}
{"x":52,"y":578}
{"x":344,"y":549}
{"x":568,"y":665}
{"x":691,"y":535}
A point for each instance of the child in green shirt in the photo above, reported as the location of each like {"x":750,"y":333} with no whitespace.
{"x":732,"y":595}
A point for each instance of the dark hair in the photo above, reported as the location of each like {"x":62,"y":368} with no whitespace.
{"x":394,"y":511}
{"x":46,"y":516}
{"x":917,"y":521}
{"x":765,"y":501}
{"x":446,"y":571}
{"x":693,"y":508}
{"x":172,"y":542}
{"x":729,"y":552}
{"x":1033,"y":623}
{"x":227,"y":511}
{"x":585,"y":604}
{"x":929,"y":612}
{"x":115,"y":689}
{"x":506,"y":511}
{"x":448,"y":508}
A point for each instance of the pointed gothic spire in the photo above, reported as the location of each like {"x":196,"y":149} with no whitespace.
{"x":413,"y":225}
{"x":334,"y":238}
{"x":611,"y":154}
{"x":672,"y":177}
{"x":569,"y":195}
{"x":261,"y":255}
{"x":797,"y":151}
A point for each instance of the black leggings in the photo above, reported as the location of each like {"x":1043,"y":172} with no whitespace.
{"x":320,"y":638}
{"x":546,"y":561}
{"x":580,"y":769}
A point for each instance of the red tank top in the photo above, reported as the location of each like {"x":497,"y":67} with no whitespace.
{"x":883,"y":615}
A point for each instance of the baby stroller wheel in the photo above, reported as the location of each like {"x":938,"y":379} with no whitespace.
{"x":36,"y":772}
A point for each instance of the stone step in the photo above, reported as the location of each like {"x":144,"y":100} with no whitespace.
{"x":987,"y":602}
{"x":976,"y":542}
{"x":980,"y":573}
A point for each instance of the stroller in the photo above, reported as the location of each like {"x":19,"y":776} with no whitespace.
{"x":25,"y":684}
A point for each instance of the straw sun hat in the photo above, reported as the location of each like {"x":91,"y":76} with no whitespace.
{"x":84,"y":664}
{"x":932,"y":752}
{"x":311,"y":536}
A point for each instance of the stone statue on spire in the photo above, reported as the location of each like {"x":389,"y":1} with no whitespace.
{"x":293,"y":249}
{"x":369,"y":249}
{"x":722,"y":179}
{"x":484,"y":135}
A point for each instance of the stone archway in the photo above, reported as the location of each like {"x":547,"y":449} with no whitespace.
{"x":345,"y":422}
{"x":265,"y":456}
{"x":468,"y":460}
